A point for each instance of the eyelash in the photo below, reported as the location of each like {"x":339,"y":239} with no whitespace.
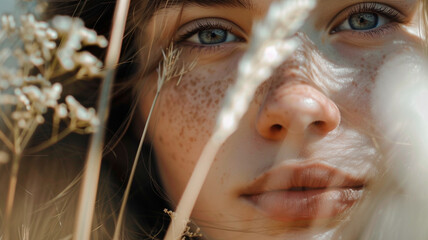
{"x":393,"y":15}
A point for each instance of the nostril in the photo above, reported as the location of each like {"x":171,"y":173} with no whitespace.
{"x":319,"y":124}
{"x":276,"y":128}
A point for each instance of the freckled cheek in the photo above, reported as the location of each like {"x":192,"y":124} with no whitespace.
{"x":355,"y":100}
{"x":184,"y":120}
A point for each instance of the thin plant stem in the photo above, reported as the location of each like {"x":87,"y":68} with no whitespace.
{"x":6,"y":141}
{"x":6,"y":120}
{"x":11,"y":192}
{"x":86,"y":205}
{"x":55,"y":127}
{"x":49,"y":72}
{"x":134,"y":167}
{"x":26,"y":136}
{"x":51,"y":141}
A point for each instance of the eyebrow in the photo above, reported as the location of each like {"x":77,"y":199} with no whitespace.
{"x":213,"y":3}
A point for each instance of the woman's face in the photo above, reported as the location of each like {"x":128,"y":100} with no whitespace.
{"x":303,"y":154}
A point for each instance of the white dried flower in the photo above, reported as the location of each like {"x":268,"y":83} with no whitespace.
{"x":8,"y":23}
{"x":28,"y":88}
{"x":37,"y":80}
{"x":84,"y":117}
{"x":61,"y":111}
{"x":22,"y":98}
{"x":52,"y":94}
{"x":38,"y":39}
{"x":90,"y":66}
{"x":77,"y":34}
{"x":22,"y":118}
{"x":33,"y":93}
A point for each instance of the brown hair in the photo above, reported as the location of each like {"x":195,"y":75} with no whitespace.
{"x":48,"y":184}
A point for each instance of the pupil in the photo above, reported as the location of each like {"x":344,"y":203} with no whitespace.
{"x":363,"y":21}
{"x":212,"y":36}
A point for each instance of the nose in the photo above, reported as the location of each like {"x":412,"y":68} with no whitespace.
{"x":296,"y":107}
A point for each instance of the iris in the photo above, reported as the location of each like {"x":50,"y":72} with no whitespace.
{"x":363,"y":21}
{"x":212,"y":36}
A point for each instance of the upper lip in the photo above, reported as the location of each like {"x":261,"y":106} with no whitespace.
{"x":302,"y":177}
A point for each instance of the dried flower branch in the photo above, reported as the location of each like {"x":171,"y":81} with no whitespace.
{"x":28,"y":88}
{"x":167,"y":70}
{"x":270,"y":46}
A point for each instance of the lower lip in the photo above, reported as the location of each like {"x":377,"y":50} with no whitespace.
{"x":312,"y":204}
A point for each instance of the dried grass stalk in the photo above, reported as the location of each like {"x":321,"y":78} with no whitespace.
{"x":91,"y":172}
{"x":167,"y":70}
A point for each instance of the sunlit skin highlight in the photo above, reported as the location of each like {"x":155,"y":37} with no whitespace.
{"x":335,"y":72}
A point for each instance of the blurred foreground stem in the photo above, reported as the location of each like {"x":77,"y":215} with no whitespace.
{"x":11,"y":193}
{"x":88,"y":192}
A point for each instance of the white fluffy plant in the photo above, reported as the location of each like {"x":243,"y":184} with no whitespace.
{"x":397,"y":207}
{"x":33,"y":56}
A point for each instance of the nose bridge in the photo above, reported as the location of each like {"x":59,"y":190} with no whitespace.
{"x":293,"y":102}
{"x":298,"y":66}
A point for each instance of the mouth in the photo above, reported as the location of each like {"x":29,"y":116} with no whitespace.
{"x":304,"y":193}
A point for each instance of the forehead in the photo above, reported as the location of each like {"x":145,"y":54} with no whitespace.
{"x":259,"y":7}
{"x":257,"y":3}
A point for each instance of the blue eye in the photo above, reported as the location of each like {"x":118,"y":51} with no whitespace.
{"x":212,"y":36}
{"x":368,"y":17}
{"x":207,"y":32}
{"x":363,"y":21}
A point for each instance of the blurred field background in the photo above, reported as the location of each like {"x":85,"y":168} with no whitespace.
{"x":7,"y":6}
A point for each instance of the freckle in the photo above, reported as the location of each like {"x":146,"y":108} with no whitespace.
{"x":216,"y":102}
{"x":160,"y":139}
{"x":183,"y":86}
{"x":192,"y":139}
{"x":367,"y":90}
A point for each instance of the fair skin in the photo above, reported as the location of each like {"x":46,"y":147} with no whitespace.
{"x":310,"y":121}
